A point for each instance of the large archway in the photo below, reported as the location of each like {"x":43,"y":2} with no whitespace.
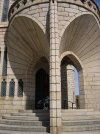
{"x":68,"y":96}
{"x":27,"y":44}
{"x":82,"y":37}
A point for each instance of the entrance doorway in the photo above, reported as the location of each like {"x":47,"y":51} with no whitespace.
{"x":42,"y":89}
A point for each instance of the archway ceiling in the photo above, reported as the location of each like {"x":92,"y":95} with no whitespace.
{"x":26,"y":43}
{"x":82,"y":37}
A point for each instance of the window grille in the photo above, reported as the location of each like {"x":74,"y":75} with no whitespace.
{"x":3,"y":88}
{"x":4,"y":71}
{"x":20,"y":88}
{"x":12,"y":88}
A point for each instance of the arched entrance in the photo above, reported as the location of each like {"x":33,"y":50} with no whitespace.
{"x":81,"y":37}
{"x":42,"y":88}
{"x":29,"y":49}
{"x":69,"y":64}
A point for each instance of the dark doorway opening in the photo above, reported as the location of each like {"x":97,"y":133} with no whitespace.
{"x":42,"y":89}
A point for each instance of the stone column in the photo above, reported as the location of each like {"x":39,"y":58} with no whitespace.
{"x":16,"y":92}
{"x":8,"y":80}
{"x":2,"y":60}
{"x":70,"y":85}
{"x":16,"y":89}
{"x":7,"y":89}
{"x":1,"y":66}
{"x":55,"y":86}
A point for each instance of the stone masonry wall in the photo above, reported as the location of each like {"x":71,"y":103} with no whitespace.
{"x":84,"y":44}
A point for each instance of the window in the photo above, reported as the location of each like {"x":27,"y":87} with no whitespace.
{"x":3,"y":88}
{"x":20,"y":88}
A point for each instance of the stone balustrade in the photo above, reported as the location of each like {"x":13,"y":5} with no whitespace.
{"x":19,"y":5}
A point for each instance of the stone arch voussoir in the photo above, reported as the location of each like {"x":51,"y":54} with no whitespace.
{"x":69,"y":53}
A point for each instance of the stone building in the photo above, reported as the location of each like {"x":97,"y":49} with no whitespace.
{"x":41,"y":42}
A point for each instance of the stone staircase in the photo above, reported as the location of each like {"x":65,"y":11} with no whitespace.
{"x":25,"y":122}
{"x":82,"y":121}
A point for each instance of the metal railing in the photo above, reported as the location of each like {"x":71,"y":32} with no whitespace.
{"x":69,"y":104}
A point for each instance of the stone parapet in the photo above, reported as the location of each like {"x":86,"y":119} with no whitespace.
{"x":23,"y":4}
{"x":87,"y":4}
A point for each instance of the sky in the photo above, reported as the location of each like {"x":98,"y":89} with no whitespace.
{"x":76,"y":81}
{"x":98,"y":2}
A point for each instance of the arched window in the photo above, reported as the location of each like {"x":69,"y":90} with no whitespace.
{"x":4,"y":70}
{"x":12,"y":88}
{"x":20,"y":88}
{"x":3,"y":88}
{"x":5,"y":10}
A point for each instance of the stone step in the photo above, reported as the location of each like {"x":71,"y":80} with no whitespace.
{"x":76,"y":110}
{"x":88,"y":117}
{"x":93,"y":127}
{"x":24,"y":128}
{"x":30,"y":114}
{"x":33,"y":111}
{"x":85,"y":132}
{"x":20,"y":132}
{"x":80,"y":113}
{"x":27,"y":118}
{"x":80,"y":122}
{"x":24,"y":123}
